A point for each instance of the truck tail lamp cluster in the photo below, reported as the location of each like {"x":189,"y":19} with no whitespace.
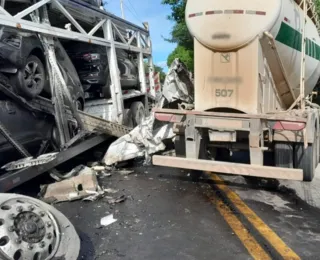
{"x":164,"y":117}
{"x":290,"y":126}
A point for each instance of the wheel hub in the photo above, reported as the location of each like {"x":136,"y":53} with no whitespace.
{"x":27,"y":231}
{"x":30,"y":227}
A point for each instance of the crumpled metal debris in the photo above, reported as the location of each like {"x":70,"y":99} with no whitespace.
{"x":178,"y":84}
{"x":98,"y":194}
{"x":29,"y":161}
{"x":74,"y":188}
{"x":148,"y":137}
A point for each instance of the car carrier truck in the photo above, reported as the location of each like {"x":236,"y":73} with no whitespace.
{"x":44,"y":129}
{"x":256,"y":68}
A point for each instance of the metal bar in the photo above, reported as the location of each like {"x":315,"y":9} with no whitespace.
{"x":118,"y":33}
{"x":144,"y":41}
{"x":69,"y":16}
{"x":116,"y":92}
{"x":132,"y":38}
{"x":62,"y":33}
{"x":5,"y":13}
{"x":229,"y":168}
{"x":151,"y":71}
{"x":96,"y":28}
{"x":13,"y":179}
{"x":279,"y":117}
{"x":103,"y":14}
{"x":142,"y":73}
{"x":31,"y":9}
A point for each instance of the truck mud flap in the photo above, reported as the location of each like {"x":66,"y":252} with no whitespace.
{"x":229,"y":168}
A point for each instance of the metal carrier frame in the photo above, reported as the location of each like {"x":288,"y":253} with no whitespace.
{"x":112,"y":26}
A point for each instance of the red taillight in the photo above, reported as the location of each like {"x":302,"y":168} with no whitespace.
{"x":291,"y":126}
{"x":91,"y":56}
{"x":166,"y":117}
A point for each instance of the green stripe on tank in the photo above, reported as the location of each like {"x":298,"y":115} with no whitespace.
{"x":293,"y":39}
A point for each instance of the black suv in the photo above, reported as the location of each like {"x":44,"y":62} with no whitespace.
{"x":23,"y":66}
{"x":91,"y":62}
{"x":22,"y":60}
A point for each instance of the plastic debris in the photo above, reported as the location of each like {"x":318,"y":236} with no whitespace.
{"x":108,"y":220}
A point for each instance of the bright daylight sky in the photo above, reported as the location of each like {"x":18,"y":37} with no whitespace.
{"x":152,"y":11}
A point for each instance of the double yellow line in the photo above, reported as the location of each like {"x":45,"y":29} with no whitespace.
{"x":253,"y":247}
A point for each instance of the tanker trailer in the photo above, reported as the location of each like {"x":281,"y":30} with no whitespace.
{"x":256,"y":65}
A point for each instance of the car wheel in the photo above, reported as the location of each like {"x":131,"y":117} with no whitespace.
{"x":30,"y":80}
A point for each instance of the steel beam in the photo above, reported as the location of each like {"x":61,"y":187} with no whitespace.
{"x":14,"y":179}
{"x":229,"y":168}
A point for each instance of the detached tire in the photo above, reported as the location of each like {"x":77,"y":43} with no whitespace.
{"x":138,"y":113}
{"x":29,"y":81}
{"x":306,"y":159}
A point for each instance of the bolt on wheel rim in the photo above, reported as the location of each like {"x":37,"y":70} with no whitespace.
{"x":27,"y":231}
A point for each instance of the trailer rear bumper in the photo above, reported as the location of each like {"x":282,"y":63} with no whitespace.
{"x":229,"y":168}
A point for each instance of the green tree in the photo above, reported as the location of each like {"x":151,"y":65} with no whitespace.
{"x":317,"y":2}
{"x":180,"y":33}
{"x":184,"y":54}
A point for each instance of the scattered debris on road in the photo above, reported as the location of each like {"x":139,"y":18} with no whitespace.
{"x":73,"y":188}
{"x":108,"y":220}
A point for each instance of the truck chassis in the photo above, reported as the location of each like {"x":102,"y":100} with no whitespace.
{"x":292,"y":136}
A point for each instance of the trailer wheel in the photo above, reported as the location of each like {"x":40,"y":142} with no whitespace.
{"x":127,"y":118}
{"x":32,"y":229}
{"x":138,"y":113}
{"x":306,"y":159}
{"x":283,"y":155}
{"x":30,"y":81}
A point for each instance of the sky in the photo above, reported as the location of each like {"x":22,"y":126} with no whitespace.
{"x":153,"y":12}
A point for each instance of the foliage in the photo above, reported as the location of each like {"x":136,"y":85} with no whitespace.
{"x":317,"y":2}
{"x":180,"y":34}
{"x":184,"y":54}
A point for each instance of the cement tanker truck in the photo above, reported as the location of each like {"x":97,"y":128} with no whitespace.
{"x":257,"y":64}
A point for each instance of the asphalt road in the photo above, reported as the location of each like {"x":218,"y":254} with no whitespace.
{"x":168,"y":216}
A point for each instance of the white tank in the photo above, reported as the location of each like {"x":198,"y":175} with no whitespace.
{"x":229,"y":25}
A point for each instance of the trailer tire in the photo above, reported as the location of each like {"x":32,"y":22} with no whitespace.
{"x":283,"y":155}
{"x":138,"y":113}
{"x":306,"y":159}
{"x":127,"y":118}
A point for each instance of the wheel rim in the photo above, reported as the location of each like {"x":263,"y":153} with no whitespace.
{"x":33,"y":75}
{"x":27,"y":231}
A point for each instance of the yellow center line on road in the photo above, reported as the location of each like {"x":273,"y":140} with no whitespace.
{"x":286,"y":252}
{"x":253,"y":247}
